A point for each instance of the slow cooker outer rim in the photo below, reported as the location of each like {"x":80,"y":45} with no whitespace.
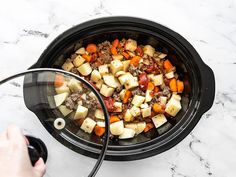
{"x":198,"y":61}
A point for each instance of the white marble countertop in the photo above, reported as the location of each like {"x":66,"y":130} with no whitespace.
{"x":28,"y":26}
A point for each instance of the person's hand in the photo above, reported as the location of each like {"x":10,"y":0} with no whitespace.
{"x":14,"y":158}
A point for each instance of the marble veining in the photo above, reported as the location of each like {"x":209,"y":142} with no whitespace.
{"x":28,"y":26}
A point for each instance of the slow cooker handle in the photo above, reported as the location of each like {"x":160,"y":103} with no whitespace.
{"x":208,"y":89}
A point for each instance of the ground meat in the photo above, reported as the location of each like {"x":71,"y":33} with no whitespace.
{"x":122,"y":42}
{"x":104,"y":58}
{"x":70,"y":104}
{"x":138,"y":91}
{"x":75,"y":71}
{"x":134,"y":70}
{"x":165,"y":90}
{"x":105,"y":47}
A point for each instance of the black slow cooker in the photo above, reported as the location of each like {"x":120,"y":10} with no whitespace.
{"x":198,"y":79}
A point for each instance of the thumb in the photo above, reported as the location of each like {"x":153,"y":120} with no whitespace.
{"x":39,"y":167}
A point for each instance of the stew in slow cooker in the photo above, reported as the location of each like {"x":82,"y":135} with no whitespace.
{"x":139,"y":85}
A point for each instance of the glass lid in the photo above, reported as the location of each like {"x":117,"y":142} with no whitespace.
{"x":64,"y":113}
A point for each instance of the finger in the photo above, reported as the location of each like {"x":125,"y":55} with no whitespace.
{"x":40,"y":167}
{"x":14,"y":134}
{"x":3,"y":136}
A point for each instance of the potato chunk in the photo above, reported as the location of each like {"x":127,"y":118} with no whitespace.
{"x":111,"y":81}
{"x":149,"y":50}
{"x":158,"y":79}
{"x":103,"y":69}
{"x":60,"y":98}
{"x":126,"y":64}
{"x":99,"y":84}
{"x":138,"y":100}
{"x":146,"y":112}
{"x":131,"y":83}
{"x":96,"y":76}
{"x":173,"y":106}
{"x":99,"y":114}
{"x":117,"y":57}
{"x":75,"y":85}
{"x":170,"y":75}
{"x":85,"y":69}
{"x":116,"y":65}
{"x":78,"y":61}
{"x":137,"y":127}
{"x":117,"y":128}
{"x":127,"y":133}
{"x":62,"y":89}
{"x":128,"y":116}
{"x":125,"y":77}
{"x":118,"y":106}
{"x":131,"y":45}
{"x":148,"y":96}
{"x":106,"y":91}
{"x":135,"y":111}
{"x":68,"y":65}
{"x":88,"y":125}
{"x":81,"y":112}
{"x":64,"y":110}
{"x":80,"y":51}
{"x":159,"y":120}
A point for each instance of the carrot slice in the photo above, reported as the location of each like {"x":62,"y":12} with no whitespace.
{"x":86,"y":57}
{"x":126,"y":55}
{"x":99,"y":131}
{"x":148,"y":127}
{"x":59,"y":80}
{"x":135,"y":60}
{"x":128,"y":94}
{"x":91,"y":48}
{"x":114,"y":51}
{"x":116,"y":43}
{"x":114,"y":119}
{"x":180,"y":86}
{"x":173,"y":85}
{"x":167,"y":65}
{"x":157,"y":108}
{"x":156,"y":89}
{"x":150,"y":86}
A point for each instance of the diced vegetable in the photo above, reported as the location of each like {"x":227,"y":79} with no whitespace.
{"x":114,"y":119}
{"x":117,"y":57}
{"x":116,"y":43}
{"x":137,"y":127}
{"x":99,"y":131}
{"x":99,"y":114}
{"x":158,"y":79}
{"x":148,"y":127}
{"x":126,"y":64}
{"x":80,"y":51}
{"x":96,"y":76}
{"x":62,"y":89}
{"x":131,"y":83}
{"x":157,"y":108}
{"x":74,"y":85}
{"x":120,"y":73}
{"x":127,"y":95}
{"x":101,"y":124}
{"x":114,"y":51}
{"x":126,"y":55}
{"x":117,"y":128}
{"x":148,"y":96}
{"x":128,"y":116}
{"x":135,"y":111}
{"x":106,"y":91}
{"x":149,"y":50}
{"x":85,"y":69}
{"x":99,"y":84}
{"x":60,"y":98}
{"x":150,"y":86}
{"x":111,"y":81}
{"x":88,"y":125}
{"x":127,"y":133}
{"x":91,"y":48}
{"x":159,"y":120}
{"x":180,"y":86}
{"x":138,"y":100}
{"x":173,"y":106}
{"x":78,"y":61}
{"x":173,"y":85}
{"x":131,"y":45}
{"x":143,"y":81}
{"x":116,"y":65}
{"x":68,"y":65}
{"x":170,"y":75}
{"x":103,"y":69}
{"x":135,"y":60}
{"x":163,"y":100}
{"x":125,"y":77}
{"x":59,"y":80}
{"x":122,"y":94}
{"x":81,"y":112}
{"x":118,"y":107}
{"x":64,"y":110}
{"x":162,"y":55}
{"x":167,"y":65}
{"x":146,"y":112}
